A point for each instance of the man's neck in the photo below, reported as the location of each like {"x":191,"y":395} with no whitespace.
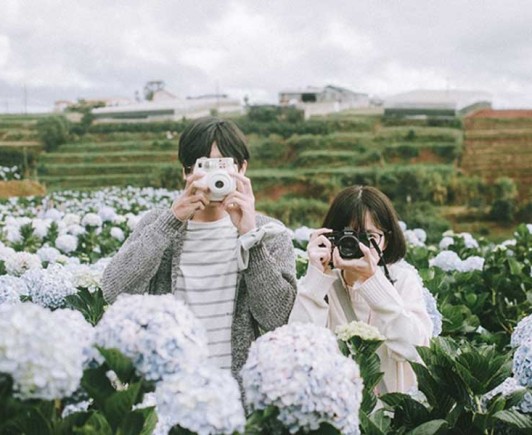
{"x":213,"y":212}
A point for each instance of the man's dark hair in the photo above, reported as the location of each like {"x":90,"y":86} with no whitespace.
{"x":198,"y":137}
{"x":349,"y":209}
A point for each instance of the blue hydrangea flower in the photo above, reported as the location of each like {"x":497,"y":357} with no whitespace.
{"x":41,"y":351}
{"x":522,"y":332}
{"x":49,"y":287}
{"x":203,"y":399}
{"x":434,"y":313}
{"x":299,"y":369}
{"x":522,"y":364}
{"x":159,"y":333}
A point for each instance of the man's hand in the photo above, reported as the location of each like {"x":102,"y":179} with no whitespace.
{"x":240,"y":204}
{"x":193,"y":198}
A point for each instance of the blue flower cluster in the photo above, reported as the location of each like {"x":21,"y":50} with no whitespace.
{"x":49,"y":287}
{"x":434,"y":313}
{"x":203,"y":399}
{"x":522,"y":332}
{"x":39,"y":350}
{"x":158,"y":333}
{"x":299,"y":369}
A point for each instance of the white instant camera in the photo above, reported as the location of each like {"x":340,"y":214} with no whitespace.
{"x":217,"y":177}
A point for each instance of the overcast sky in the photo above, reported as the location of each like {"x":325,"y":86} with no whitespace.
{"x":71,"y":49}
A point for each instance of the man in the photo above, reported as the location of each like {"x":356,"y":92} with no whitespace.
{"x":233,"y":267}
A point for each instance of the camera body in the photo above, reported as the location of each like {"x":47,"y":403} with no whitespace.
{"x":217,"y":176}
{"x":347,"y":241}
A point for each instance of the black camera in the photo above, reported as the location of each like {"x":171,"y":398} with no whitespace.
{"x":347,"y":242}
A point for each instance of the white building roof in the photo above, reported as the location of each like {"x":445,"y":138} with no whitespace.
{"x":436,"y":99}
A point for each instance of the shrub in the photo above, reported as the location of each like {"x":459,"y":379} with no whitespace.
{"x":53,"y":131}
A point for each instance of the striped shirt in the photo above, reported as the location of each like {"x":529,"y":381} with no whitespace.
{"x":206,"y":281}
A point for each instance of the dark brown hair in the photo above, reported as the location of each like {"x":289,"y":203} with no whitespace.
{"x":198,"y":137}
{"x":350,"y":207}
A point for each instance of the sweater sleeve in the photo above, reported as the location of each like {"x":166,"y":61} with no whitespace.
{"x":139,"y":258}
{"x":399,"y":312}
{"x":271,"y":281}
{"x":310,"y":305}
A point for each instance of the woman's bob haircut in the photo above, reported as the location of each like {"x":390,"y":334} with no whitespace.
{"x":350,"y":208}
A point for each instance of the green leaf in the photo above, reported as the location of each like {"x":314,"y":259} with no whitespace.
{"x":120,"y":404}
{"x":377,"y":423}
{"x":119,"y":363}
{"x":97,"y":385}
{"x":430,"y":428}
{"x":95,"y":425}
{"x":514,"y":418}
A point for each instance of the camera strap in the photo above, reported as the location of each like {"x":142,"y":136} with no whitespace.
{"x":345,"y":301}
{"x":386,"y":271}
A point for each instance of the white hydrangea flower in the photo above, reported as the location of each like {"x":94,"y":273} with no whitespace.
{"x":48,"y":254}
{"x":53,"y":214}
{"x":529,"y":228}
{"x":159,"y":333}
{"x":522,"y":332}
{"x":76,"y":229}
{"x":20,"y":262}
{"x":446,"y":260}
{"x":6,"y":252}
{"x":12,"y":233}
{"x":11,"y":289}
{"x":403,"y":226}
{"x":49,"y":287}
{"x":412,"y":238}
{"x":203,"y":399}
{"x":472,"y":263}
{"x":39,"y":351}
{"x":107,"y":214}
{"x":118,"y":234}
{"x":299,"y":369}
{"x":66,"y":243}
{"x":132,"y":221}
{"x":71,"y":219}
{"x":469,"y":240}
{"x":446,"y":242}
{"x":86,"y":276}
{"x":421,"y":234}
{"x":91,"y":220}
{"x":359,"y":329}
{"x":40,"y":227}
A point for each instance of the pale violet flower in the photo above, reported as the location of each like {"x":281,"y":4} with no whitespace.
{"x":446,"y":260}
{"x":40,"y":352}
{"x":298,"y":368}
{"x":20,"y":262}
{"x":403,"y":226}
{"x":91,"y":220}
{"x":66,"y":243}
{"x":446,"y":242}
{"x":157,"y":332}
{"x":203,"y":399}
{"x":48,"y":254}
{"x":118,"y":234}
{"x":49,"y":287}
{"x":433,"y":312}
{"x":359,"y":329}
{"x":507,"y":387}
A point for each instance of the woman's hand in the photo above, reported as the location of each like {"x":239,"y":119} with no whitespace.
{"x":319,"y":250}
{"x":357,"y":269}
{"x":240,"y":204}
{"x":193,"y":198}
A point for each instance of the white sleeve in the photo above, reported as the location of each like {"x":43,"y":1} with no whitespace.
{"x":400,"y":312}
{"x":310,"y":305}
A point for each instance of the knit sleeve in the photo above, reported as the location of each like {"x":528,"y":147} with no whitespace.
{"x":138,"y":260}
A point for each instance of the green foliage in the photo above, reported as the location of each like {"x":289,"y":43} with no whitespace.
{"x":295,"y":212}
{"x":53,"y":131}
{"x":89,"y":303}
{"x":23,"y":157}
{"x":454,"y":377}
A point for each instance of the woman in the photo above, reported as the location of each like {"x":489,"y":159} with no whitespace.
{"x":367,"y":281}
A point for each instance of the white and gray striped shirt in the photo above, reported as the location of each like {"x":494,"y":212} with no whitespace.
{"x":206,"y":281}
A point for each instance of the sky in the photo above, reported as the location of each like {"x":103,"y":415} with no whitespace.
{"x":71,"y":49}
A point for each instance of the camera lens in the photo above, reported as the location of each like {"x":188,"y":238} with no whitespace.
{"x":348,"y":247}
{"x":219,"y":184}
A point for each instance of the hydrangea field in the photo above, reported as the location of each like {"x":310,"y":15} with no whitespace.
{"x":69,"y":363}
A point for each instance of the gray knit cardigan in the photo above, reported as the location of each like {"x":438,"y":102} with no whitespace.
{"x":265,"y":290}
